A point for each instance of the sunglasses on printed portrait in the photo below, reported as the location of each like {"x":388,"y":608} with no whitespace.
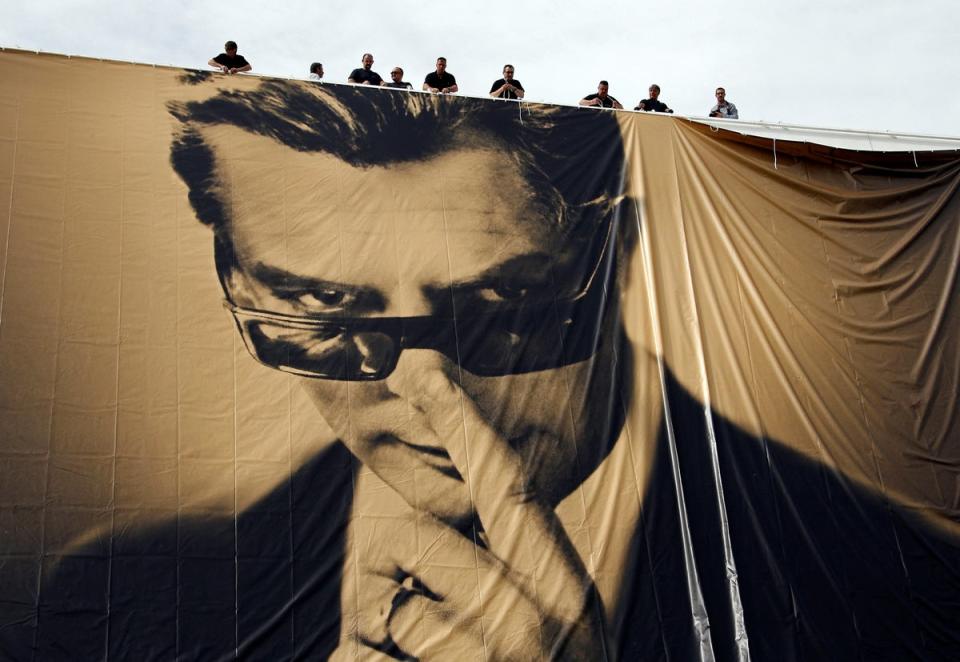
{"x":547,"y":333}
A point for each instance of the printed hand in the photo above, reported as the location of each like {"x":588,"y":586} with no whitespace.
{"x":417,"y":587}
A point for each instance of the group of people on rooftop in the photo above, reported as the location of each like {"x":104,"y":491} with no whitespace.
{"x":440,"y":81}
{"x":652,"y":104}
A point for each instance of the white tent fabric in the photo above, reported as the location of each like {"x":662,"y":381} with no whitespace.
{"x":871,"y":141}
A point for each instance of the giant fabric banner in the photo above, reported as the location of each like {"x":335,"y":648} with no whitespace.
{"x":291,"y":370}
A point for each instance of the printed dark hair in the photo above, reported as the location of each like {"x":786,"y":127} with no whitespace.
{"x":315,"y":67}
{"x":603,"y":82}
{"x":556,"y":148}
{"x":230,"y":46}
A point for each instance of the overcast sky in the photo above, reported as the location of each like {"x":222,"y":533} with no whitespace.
{"x":878,"y":65}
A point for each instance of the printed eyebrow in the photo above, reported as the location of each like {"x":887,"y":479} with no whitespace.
{"x":283,"y":281}
{"x":535,"y":271}
{"x":522,"y":266}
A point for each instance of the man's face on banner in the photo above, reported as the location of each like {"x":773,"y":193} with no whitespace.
{"x":455,"y":236}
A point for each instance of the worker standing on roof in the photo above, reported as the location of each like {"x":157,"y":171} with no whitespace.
{"x":724,"y":108}
{"x":365,"y":75}
{"x":602,"y":98}
{"x":507,"y":87}
{"x":653,"y":104}
{"x":229,"y":62}
{"x":440,"y":81}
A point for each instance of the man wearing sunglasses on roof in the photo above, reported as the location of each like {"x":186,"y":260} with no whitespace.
{"x":458,"y":326}
{"x":507,"y":87}
{"x":396,"y":80}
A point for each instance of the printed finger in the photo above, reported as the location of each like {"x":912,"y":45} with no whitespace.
{"x":464,"y":599}
{"x":365,"y":603}
{"x":429,"y":629}
{"x":522,"y":531}
{"x":378,"y":544}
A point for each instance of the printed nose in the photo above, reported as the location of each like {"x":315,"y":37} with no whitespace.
{"x":422,"y":373}
{"x":372,"y":352}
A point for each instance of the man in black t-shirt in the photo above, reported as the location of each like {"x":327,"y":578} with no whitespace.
{"x":396,"y":80}
{"x":440,"y":81}
{"x":601,"y":99}
{"x":653,"y":104}
{"x":230,"y":62}
{"x":365,"y":75}
{"x":507,"y":87}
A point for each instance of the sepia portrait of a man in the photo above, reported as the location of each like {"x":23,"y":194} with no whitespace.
{"x":449,"y":298}
{"x":588,"y":387}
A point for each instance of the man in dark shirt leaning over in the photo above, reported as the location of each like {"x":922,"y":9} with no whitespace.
{"x":601,"y":99}
{"x":365,"y":75}
{"x":440,"y":81}
{"x":229,"y":62}
{"x":507,"y":87}
{"x":396,"y":80}
{"x":653,"y":104}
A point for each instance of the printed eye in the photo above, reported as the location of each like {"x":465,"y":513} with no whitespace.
{"x":321,"y":301}
{"x":504,"y":293}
